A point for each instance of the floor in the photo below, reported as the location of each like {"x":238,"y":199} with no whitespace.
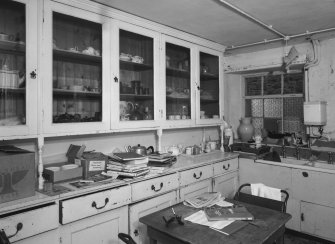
{"x":297,"y":238}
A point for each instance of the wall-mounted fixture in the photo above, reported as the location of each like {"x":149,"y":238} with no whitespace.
{"x":315,"y":114}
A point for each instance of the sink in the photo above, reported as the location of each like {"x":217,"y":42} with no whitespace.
{"x":324,"y":165}
{"x":307,"y":163}
{"x":293,"y":161}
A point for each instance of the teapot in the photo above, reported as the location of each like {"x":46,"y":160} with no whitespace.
{"x":141,"y":149}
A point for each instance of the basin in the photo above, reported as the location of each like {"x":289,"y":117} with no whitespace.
{"x":315,"y":164}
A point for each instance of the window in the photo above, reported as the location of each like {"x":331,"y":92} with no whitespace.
{"x":275,"y":102}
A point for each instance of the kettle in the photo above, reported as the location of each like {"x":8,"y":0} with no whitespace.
{"x":141,"y":149}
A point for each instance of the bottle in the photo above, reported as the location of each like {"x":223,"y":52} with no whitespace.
{"x":147,"y":115}
{"x":184,"y":112}
{"x":229,"y":133}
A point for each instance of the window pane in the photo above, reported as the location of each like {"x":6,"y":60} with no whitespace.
{"x":272,"y":84}
{"x":272,"y":108}
{"x":253,"y":86}
{"x":293,"y":83}
{"x":293,"y":115}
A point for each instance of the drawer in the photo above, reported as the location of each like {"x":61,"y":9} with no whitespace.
{"x":95,"y":203}
{"x":225,"y":166}
{"x":194,"y":175}
{"x":155,"y":186}
{"x":32,"y":222}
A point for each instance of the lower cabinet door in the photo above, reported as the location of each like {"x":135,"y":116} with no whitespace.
{"x":101,"y":228}
{"x":137,"y":230}
{"x":226,"y":184}
{"x":195,"y":189}
{"x":50,"y":237}
{"x":318,"y":220}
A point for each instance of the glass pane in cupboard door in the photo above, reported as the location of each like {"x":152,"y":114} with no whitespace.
{"x":209,"y":86}
{"x":178,"y":99}
{"x":136,"y":77}
{"x":77,"y":70}
{"x":12,"y":63}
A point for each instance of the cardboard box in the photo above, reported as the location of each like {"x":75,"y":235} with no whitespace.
{"x":62,"y":174}
{"x":93,"y":163}
{"x":17,"y":173}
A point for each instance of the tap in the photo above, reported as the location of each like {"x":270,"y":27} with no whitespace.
{"x":297,"y":152}
{"x":283,"y":151}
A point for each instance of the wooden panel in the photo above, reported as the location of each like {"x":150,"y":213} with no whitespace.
{"x":152,"y":187}
{"x":314,"y":186}
{"x":195,"y":189}
{"x":93,"y":204}
{"x":50,"y":237}
{"x":318,"y":220}
{"x":101,"y":228}
{"x":195,"y":175}
{"x":225,"y":166}
{"x":138,"y":230}
{"x":33,"y":222}
{"x":226,"y":184}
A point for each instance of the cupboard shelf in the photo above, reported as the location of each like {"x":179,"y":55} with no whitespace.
{"x":177,"y":98}
{"x":65,"y":55}
{"x":10,"y":46}
{"x":12,"y":90}
{"x":177,"y":72}
{"x":132,"y":66}
{"x":62,"y":92}
{"x":134,"y":96}
{"x":208,"y":76}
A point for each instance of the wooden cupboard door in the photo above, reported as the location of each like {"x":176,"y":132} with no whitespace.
{"x":314,"y":186}
{"x":195,"y":189}
{"x":101,"y":228}
{"x":137,"y":230}
{"x":195,"y":175}
{"x":318,"y":220}
{"x":293,"y":208}
{"x":50,"y":237}
{"x":226,"y":184}
{"x":225,"y":166}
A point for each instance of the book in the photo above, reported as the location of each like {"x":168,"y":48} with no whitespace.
{"x":126,"y":156}
{"x":216,"y":213}
{"x":203,"y":200}
{"x":232,"y":227}
{"x":131,"y":174}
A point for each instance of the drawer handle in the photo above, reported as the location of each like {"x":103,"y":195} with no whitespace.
{"x":302,"y":217}
{"x":305,"y":174}
{"x":154,"y":189}
{"x":94,"y":204}
{"x":19,"y":227}
{"x":226,"y":167}
{"x":195,"y":176}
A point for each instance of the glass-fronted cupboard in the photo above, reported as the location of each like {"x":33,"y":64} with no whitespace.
{"x":18,"y":81}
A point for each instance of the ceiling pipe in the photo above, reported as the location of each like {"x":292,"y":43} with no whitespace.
{"x":245,"y":14}
{"x":286,"y":38}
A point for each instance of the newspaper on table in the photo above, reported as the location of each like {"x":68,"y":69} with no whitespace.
{"x":204,"y":200}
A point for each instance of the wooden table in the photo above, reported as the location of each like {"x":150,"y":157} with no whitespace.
{"x":268,"y":226}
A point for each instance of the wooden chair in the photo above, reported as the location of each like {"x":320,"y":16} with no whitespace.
{"x":126,"y":238}
{"x":261,"y":201}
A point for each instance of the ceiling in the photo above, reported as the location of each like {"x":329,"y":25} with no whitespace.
{"x":222,"y":22}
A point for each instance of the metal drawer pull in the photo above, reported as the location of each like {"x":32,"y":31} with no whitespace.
{"x":226,"y":168}
{"x":195,"y":176}
{"x":94,"y":204}
{"x":154,"y":189}
{"x":19,"y":227}
{"x":305,"y":174}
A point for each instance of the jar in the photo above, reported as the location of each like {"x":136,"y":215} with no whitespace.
{"x":245,"y":130}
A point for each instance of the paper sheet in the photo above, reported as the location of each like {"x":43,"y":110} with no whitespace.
{"x":201,"y":219}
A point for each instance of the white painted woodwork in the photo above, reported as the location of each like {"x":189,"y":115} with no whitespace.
{"x":33,"y":222}
{"x":293,"y":208}
{"x":195,"y":175}
{"x":138,"y":230}
{"x":318,"y":220}
{"x":195,"y":189}
{"x":46,"y":71}
{"x":31,"y":103}
{"x":154,"y":187}
{"x":100,"y":228}
{"x":315,"y":187}
{"x":49,"y":237}
{"x":225,"y":166}
{"x":103,"y":201}
{"x":227,"y":184}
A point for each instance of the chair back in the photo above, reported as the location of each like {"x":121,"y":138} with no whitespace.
{"x":261,"y":201}
{"x":126,"y":238}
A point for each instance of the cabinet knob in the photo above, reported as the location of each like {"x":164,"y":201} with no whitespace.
{"x":94,"y":204}
{"x":302,"y":217}
{"x":197,"y":177}
{"x":304,"y":174}
{"x":154,"y":188}
{"x":33,"y":74}
{"x":226,"y":167}
{"x":116,"y":79}
{"x":136,"y":233}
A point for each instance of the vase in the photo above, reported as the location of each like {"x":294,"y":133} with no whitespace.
{"x":245,"y":130}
